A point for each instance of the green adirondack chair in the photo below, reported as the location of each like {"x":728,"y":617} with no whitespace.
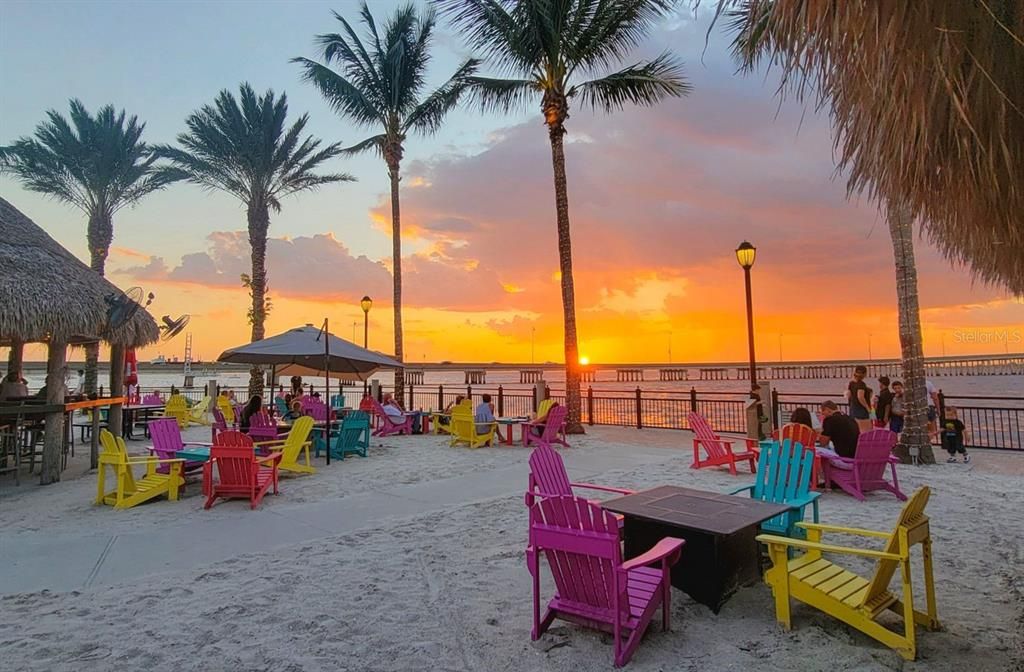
{"x":354,"y":436}
{"x":784,"y":477}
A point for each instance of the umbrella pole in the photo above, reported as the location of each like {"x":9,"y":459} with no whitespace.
{"x":327,"y":388}
{"x":273,"y":386}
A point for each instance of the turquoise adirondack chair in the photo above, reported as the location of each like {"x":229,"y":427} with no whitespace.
{"x":338,"y":401}
{"x":282,"y":408}
{"x":784,"y":477}
{"x":352,"y":438}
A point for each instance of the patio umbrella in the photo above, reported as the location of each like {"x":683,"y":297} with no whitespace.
{"x":299,"y":352}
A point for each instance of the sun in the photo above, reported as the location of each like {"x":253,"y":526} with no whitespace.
{"x":584,"y":361}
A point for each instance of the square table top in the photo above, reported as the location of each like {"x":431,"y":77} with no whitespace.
{"x":695,"y":509}
{"x":515,"y":420}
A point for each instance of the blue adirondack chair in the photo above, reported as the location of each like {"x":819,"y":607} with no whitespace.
{"x":338,"y":401}
{"x":353,"y":438}
{"x":784,"y":477}
{"x":282,"y":408}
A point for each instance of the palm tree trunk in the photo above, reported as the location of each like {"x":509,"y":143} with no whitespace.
{"x":396,"y":251}
{"x":259,"y":224}
{"x":53,"y":434}
{"x":99,"y":235}
{"x":914,"y":437}
{"x":556,"y":131}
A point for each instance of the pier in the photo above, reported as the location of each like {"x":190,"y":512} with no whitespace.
{"x":476,"y":377}
{"x":629,"y":375}
{"x":673,"y":374}
{"x":531,"y":375}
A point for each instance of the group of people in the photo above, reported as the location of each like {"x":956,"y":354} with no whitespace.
{"x":883,"y":411}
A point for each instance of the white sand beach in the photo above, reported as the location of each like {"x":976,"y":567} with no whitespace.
{"x":413,"y":559}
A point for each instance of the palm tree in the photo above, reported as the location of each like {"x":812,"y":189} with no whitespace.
{"x":543,"y":48}
{"x":244,"y":148}
{"x":382,"y":87}
{"x":927,"y":106}
{"x":99,"y":164}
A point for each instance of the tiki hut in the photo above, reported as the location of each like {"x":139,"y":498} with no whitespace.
{"x":49,"y":296}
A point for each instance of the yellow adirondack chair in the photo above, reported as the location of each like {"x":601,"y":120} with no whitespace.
{"x":198,"y":413}
{"x":292,"y":446}
{"x":856,"y":601}
{"x":543,"y":407}
{"x":446,"y":428}
{"x":128,"y":492}
{"x":226,"y":409}
{"x":463,"y":429}
{"x":177,"y":408}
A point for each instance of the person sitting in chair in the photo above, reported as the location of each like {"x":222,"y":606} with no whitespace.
{"x":392,"y":409}
{"x":839,"y":428}
{"x":484,"y":415}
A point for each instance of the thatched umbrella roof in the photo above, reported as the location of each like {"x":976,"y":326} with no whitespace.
{"x":927,"y":99}
{"x":48,"y":293}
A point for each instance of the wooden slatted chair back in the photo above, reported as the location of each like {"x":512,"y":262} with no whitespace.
{"x":198,"y":411}
{"x":224,"y":404}
{"x":547,"y":472}
{"x":911,"y":519}
{"x":799,"y":433}
{"x":220,"y":424}
{"x":262,"y":425}
{"x":581,"y":542}
{"x":555,"y":419}
{"x":152,"y":399}
{"x":177,"y":408}
{"x":297,"y":436}
{"x":353,"y":426}
{"x":874,"y":448}
{"x":315,"y":409}
{"x":114,"y":453}
{"x":709,"y":440}
{"x":338,"y":401}
{"x":166,"y":437}
{"x":233,"y":454}
{"x":783,"y":472}
{"x":543,"y":407}
{"x":281,"y":405}
{"x":463,"y":424}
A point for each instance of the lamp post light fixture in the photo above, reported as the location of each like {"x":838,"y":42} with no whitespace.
{"x":366,"y":303}
{"x":745,"y":255}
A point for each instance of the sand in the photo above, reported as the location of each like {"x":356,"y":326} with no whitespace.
{"x":445,"y":587}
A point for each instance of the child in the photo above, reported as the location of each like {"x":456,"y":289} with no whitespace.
{"x":896,"y":408}
{"x":883,"y":403}
{"x":953,"y":436}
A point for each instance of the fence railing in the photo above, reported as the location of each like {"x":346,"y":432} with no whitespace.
{"x":991,"y":422}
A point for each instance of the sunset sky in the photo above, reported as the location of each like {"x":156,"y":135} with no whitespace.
{"x":659,"y":198}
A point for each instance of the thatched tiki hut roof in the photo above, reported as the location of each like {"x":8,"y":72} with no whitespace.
{"x":48,"y":295}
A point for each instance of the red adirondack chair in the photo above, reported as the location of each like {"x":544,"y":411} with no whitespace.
{"x":553,"y":425}
{"x":594,"y":586}
{"x":166,"y":435}
{"x":806,"y":437}
{"x":241,"y":473}
{"x":548,"y":477}
{"x":262,"y":427}
{"x":866,"y":471}
{"x":719,"y":451}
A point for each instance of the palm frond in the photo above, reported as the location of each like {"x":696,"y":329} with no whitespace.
{"x":501,"y":95}
{"x":344,"y":97}
{"x":428,"y":116}
{"x":640,"y":84}
{"x":373,"y":143}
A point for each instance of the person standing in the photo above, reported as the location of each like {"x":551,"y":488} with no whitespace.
{"x":895,"y":411}
{"x":859,"y":396}
{"x":839,"y":429}
{"x":933,"y":405}
{"x":883,"y":403}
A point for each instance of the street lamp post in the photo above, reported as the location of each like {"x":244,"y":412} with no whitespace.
{"x":745,"y":254}
{"x":366,"y":303}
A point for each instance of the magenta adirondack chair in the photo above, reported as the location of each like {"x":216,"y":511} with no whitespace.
{"x":152,"y":399}
{"x":548,"y":477}
{"x":866,"y":471}
{"x":553,"y":425}
{"x":594,"y":587}
{"x":241,"y":473}
{"x":166,"y":435}
{"x":387,"y":425}
{"x":219,"y":424}
{"x":719,"y":451}
{"x":262,"y":427}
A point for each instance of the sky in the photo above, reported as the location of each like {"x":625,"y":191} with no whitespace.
{"x":659,"y":199}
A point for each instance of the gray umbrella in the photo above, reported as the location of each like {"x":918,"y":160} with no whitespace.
{"x":298,"y":352}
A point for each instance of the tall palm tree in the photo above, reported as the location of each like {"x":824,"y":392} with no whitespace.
{"x":383,"y":87}
{"x":928,"y":112}
{"x":244,"y":148}
{"x":544,"y":48}
{"x":99,"y":164}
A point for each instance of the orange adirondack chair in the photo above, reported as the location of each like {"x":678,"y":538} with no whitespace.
{"x":719,"y":451}
{"x":806,"y":437}
{"x":241,"y":473}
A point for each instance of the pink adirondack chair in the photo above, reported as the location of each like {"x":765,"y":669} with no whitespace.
{"x":315,"y":409}
{"x":594,"y":586}
{"x":553,"y":429}
{"x":719,"y":451}
{"x":219,"y":424}
{"x":866,"y":471}
{"x":241,"y":473}
{"x":262,"y":427}
{"x":166,"y":435}
{"x":387,"y":425}
{"x":152,"y":399}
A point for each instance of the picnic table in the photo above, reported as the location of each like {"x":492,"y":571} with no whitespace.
{"x":508,"y":424}
{"x":130,"y":414}
{"x":721,"y":553}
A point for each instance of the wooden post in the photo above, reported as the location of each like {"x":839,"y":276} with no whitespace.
{"x":53,"y":435}
{"x":693,"y":399}
{"x":775,"y":408}
{"x":440,"y":398}
{"x":116,"y":388}
{"x":639,"y":411}
{"x":15,"y":357}
{"x":410,"y":406}
{"x":94,"y":440}
{"x":590,"y":404}
{"x":501,"y":402}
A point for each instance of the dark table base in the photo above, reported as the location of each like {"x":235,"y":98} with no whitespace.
{"x":712,"y":567}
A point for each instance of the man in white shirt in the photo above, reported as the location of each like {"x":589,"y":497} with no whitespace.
{"x":392,"y":409}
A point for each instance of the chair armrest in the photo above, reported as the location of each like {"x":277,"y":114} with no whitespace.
{"x":748,"y":488}
{"x":157,"y":460}
{"x":844,"y":530}
{"x":803,"y":501}
{"x":661,"y":550}
{"x":273,"y":457}
{"x":268,"y":443}
{"x":196,"y":443}
{"x":773,"y":540}
{"x":605,"y":488}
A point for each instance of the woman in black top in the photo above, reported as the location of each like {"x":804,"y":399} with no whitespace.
{"x":860,"y":398}
{"x":251,"y":408}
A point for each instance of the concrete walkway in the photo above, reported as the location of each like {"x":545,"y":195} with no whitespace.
{"x":38,"y":561}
